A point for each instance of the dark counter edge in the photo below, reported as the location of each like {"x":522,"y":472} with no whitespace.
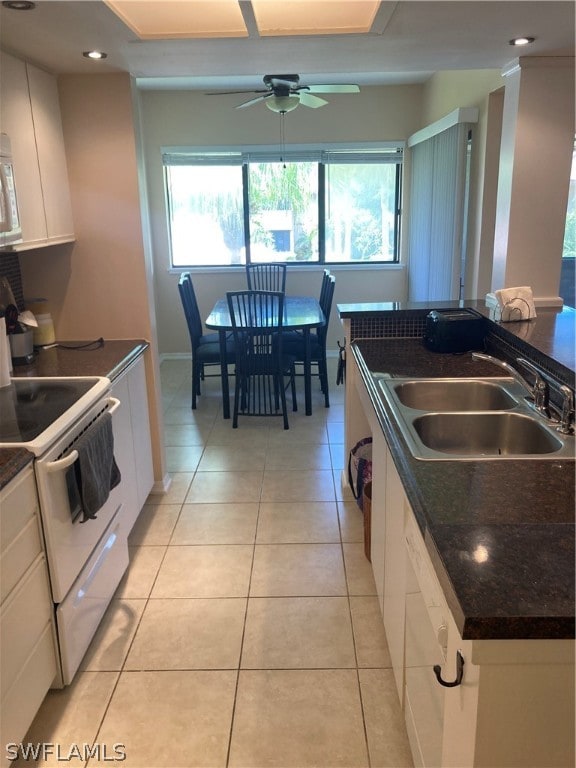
{"x":470,"y":627}
{"x":14,"y":460}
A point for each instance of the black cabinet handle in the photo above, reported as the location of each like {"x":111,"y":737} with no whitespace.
{"x":459,"y":672}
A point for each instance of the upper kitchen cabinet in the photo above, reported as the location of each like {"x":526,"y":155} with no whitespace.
{"x":30,"y":115}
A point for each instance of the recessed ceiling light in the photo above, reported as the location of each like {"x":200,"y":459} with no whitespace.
{"x":95,"y":54}
{"x":522,"y":41}
{"x":19,"y":5}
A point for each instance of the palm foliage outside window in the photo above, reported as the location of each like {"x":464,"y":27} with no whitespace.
{"x":569,"y":250}
{"x":233,"y":208}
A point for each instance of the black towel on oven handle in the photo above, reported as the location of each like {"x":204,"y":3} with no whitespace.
{"x":96,"y":470}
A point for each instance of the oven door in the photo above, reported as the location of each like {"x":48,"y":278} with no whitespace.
{"x":78,"y":615}
{"x":70,"y":542}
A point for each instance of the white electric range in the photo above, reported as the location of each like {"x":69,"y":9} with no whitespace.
{"x":86,"y":556}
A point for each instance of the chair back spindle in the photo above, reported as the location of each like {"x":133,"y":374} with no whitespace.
{"x":266,"y":277}
{"x":261,"y":364}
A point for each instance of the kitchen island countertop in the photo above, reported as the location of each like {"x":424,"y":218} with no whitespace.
{"x":518,"y":513}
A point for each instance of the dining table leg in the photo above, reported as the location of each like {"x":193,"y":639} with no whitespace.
{"x":224,"y":375}
{"x":307,"y":373}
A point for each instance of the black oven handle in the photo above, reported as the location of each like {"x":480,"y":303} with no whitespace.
{"x":70,"y":458}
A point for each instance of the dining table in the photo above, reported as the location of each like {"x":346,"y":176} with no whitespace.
{"x":300,"y":313}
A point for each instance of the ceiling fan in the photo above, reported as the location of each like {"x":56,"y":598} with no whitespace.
{"x":283,"y":93}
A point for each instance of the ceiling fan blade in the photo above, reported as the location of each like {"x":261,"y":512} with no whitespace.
{"x":308,"y":100}
{"x":341,"y":88}
{"x":253,"y":101}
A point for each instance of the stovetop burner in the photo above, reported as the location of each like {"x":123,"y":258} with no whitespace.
{"x":30,"y":406}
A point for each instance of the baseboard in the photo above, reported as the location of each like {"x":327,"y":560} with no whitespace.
{"x":162,"y":486}
{"x":187,"y":356}
{"x":175,"y":356}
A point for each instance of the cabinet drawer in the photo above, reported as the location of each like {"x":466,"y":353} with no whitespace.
{"x":22,"y":701}
{"x":22,"y":620}
{"x":18,"y":556}
{"x":19,"y":503}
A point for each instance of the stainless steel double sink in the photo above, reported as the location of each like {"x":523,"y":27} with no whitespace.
{"x":471,"y":419}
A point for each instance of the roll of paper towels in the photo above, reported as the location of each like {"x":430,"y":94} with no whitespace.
{"x":5,"y":356}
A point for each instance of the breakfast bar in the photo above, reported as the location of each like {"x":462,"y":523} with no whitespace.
{"x":473,"y":557}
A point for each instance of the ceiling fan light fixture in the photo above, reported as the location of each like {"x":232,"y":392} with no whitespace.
{"x":283,"y":104}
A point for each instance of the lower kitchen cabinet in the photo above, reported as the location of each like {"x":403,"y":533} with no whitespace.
{"x":514,"y":706}
{"x":394,"y":572}
{"x":28,"y":661}
{"x":132,"y":443}
{"x":378,"y":513}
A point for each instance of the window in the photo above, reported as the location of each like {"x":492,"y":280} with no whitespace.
{"x":362,"y":212}
{"x":283,"y":211}
{"x":568,"y":271}
{"x":569,"y":250}
{"x":228,"y":208}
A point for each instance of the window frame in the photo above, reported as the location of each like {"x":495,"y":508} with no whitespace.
{"x":377,"y":153}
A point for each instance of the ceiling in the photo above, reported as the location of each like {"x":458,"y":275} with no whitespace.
{"x":224,"y":44}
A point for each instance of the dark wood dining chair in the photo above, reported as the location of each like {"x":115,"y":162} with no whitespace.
{"x":205,"y":346}
{"x":294,"y":343}
{"x":261,"y":363}
{"x":266,"y":277}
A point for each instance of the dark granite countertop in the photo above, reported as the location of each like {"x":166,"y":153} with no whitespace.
{"x":500,"y":533}
{"x":12,"y":461}
{"x":73,"y":358}
{"x":80,"y":358}
{"x":552,"y":332}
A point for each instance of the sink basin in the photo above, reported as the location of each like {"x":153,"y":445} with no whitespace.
{"x":471,"y":420}
{"x":454,"y":395}
{"x":485,"y":434}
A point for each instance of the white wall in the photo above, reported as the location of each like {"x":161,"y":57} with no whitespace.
{"x":443,"y":93}
{"x":535,"y":160}
{"x":98,"y":286}
{"x":187,"y":118}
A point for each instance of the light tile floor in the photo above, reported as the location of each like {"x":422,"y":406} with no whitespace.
{"x":246,"y":631}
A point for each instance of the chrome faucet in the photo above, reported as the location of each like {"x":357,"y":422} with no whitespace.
{"x":541,"y":389}
{"x":538,"y":397}
{"x":565,"y":427}
{"x":540,"y":392}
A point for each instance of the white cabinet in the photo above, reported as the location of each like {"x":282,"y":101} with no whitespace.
{"x":394,"y":572}
{"x":387,"y":523}
{"x":378,"y":514}
{"x":132,"y":443}
{"x":426,"y":638}
{"x":515,"y":706}
{"x":28,"y":662}
{"x":141,"y":431}
{"x":30,"y":115}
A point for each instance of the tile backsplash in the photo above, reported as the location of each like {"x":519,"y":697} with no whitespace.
{"x":10,"y":268}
